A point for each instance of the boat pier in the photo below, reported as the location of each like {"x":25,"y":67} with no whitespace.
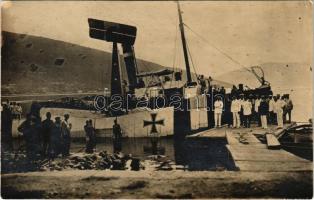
{"x":261,"y":155}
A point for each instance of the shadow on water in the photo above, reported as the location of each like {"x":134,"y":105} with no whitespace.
{"x":193,"y":153}
{"x":204,"y":154}
{"x":300,"y":144}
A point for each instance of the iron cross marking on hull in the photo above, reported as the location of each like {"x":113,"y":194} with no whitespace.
{"x":153,"y":123}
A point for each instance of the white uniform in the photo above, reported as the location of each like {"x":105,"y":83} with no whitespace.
{"x":247,"y":108}
{"x":278,"y":109}
{"x":271,"y":105}
{"x":241,"y":102}
{"x":235,"y":109}
{"x":218,"y":111}
{"x":257,"y":104}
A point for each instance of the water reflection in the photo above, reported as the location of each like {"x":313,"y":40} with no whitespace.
{"x":300,"y":144}
{"x":195,"y":154}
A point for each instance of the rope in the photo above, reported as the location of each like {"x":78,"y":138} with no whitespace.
{"x":191,"y":59}
{"x":175,"y":48}
{"x":225,"y":54}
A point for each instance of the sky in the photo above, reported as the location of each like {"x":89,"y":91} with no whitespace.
{"x":251,"y":33}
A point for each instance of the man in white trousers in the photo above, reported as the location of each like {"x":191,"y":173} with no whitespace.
{"x":218,"y":111}
{"x":278,"y":109}
{"x":235,"y":109}
{"x":263,"y":112}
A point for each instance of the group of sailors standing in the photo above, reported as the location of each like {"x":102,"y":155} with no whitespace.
{"x":263,"y":109}
{"x":50,"y":138}
{"x":46,"y":138}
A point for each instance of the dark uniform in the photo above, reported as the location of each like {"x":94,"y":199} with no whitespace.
{"x":31,"y":130}
{"x":178,"y":76}
{"x":90,"y":137}
{"x":55,"y":140}
{"x":6,"y":128}
{"x":227,"y":115}
{"x":203,"y":84}
{"x":117,"y":134}
{"x":47,"y":126}
{"x":141,"y":83}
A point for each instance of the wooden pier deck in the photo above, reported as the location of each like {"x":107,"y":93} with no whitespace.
{"x":250,"y":154}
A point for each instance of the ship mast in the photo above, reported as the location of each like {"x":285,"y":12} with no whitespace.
{"x":185,"y":52}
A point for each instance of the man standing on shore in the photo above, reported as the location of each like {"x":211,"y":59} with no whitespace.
{"x":6,"y":127}
{"x":47,"y":126}
{"x":55,"y":141}
{"x":90,"y":137}
{"x":31,"y":129}
{"x":117,"y":136}
{"x":66,"y":135}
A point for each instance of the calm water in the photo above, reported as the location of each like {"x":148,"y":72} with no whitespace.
{"x":197,"y":154}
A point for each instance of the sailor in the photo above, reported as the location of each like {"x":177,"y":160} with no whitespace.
{"x":35,"y":110}
{"x":125,"y":88}
{"x":19,"y":111}
{"x":47,"y":126}
{"x":6,"y":127}
{"x":278,"y":109}
{"x":223,"y":90}
{"x":271,"y":105}
{"x":263,"y":112}
{"x":90,"y":137}
{"x":202,"y":83}
{"x":209,"y":81}
{"x":117,"y":133}
{"x":234,"y":91}
{"x":167,"y":79}
{"x":247,"y":112}
{"x":240,"y":88}
{"x":241,"y":101}
{"x":256,"y":109}
{"x":14,"y":109}
{"x":93,"y":134}
{"x":227,"y":117}
{"x":218,"y":105}
{"x":31,"y":130}
{"x":55,"y":141}
{"x":88,"y":148}
{"x":178,"y":76}
{"x":141,"y":83}
{"x":117,"y":136}
{"x":288,"y":108}
{"x":235,"y":109}
{"x":66,"y":135}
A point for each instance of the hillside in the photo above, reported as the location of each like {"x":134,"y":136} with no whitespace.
{"x":278,"y":74}
{"x":37,"y":65}
{"x":291,"y":78}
